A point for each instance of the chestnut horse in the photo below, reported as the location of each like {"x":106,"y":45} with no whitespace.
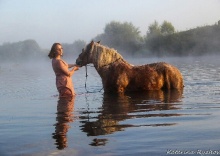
{"x":119,"y":76}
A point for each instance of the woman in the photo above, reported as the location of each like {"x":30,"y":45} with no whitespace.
{"x":63,"y":74}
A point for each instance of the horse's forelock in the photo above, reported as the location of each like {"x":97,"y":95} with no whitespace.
{"x":86,"y":53}
{"x":88,"y":48}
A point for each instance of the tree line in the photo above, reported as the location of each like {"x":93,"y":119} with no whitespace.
{"x":159,"y":40}
{"x":30,"y":50}
{"x":19,"y":51}
{"x":162,"y":40}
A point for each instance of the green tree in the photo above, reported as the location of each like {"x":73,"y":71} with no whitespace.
{"x":154,"y":30}
{"x":167,"y":28}
{"x":122,"y":36}
{"x":159,"y":38}
{"x":153,"y":38}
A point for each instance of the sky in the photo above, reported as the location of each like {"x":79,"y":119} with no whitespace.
{"x":65,"y":21}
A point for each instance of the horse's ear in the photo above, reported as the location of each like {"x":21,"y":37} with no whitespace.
{"x":92,"y":42}
{"x":82,"y":50}
{"x":98,"y":42}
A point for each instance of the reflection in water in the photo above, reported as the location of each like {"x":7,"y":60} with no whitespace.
{"x":98,"y":142}
{"x":117,"y":108}
{"x":65,"y":108}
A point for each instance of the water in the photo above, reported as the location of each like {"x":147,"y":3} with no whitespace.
{"x":154,"y":123}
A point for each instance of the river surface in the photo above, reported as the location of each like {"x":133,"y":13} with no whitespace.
{"x":33,"y":121}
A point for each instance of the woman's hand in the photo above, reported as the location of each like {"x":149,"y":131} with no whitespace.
{"x":71,"y":65}
{"x":76,"y":68}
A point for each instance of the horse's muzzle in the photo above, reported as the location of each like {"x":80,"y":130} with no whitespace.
{"x":79,"y":62}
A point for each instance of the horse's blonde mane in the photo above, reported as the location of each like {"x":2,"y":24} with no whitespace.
{"x":103,"y":56}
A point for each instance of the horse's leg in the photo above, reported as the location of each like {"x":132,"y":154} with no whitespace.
{"x":173,"y":78}
{"x":120,"y":89}
{"x":122,"y":83}
{"x":167,"y":79}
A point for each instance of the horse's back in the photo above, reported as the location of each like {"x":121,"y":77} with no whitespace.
{"x":166,"y":75}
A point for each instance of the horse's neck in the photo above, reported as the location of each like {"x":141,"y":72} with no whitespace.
{"x":103,"y":57}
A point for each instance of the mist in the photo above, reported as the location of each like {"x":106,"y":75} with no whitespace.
{"x":127,"y":40}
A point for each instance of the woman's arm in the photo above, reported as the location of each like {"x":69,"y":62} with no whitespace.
{"x":71,"y":65}
{"x":64,"y":68}
{"x":75,"y":67}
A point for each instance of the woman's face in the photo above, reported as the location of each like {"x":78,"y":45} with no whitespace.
{"x":59,"y":50}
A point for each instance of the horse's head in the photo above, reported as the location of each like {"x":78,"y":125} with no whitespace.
{"x":97,"y":54}
{"x":85,"y":57}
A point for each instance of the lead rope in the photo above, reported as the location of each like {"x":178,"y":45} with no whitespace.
{"x":86,"y":81}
